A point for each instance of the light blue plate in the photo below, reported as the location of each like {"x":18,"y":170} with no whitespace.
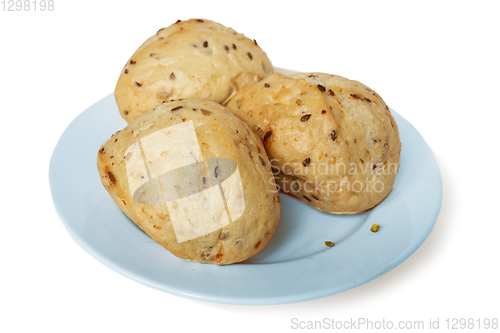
{"x":295,"y":266}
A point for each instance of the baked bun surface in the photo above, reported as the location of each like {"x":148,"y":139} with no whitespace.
{"x":196,"y":179}
{"x":189,"y":59}
{"x":332,"y":142}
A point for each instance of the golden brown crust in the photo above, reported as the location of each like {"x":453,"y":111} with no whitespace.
{"x":189,"y":59}
{"x":333,"y":142}
{"x":220,"y":135}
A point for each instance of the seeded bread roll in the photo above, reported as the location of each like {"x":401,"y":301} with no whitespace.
{"x":332,"y":142}
{"x":189,"y":59}
{"x":196,"y":179}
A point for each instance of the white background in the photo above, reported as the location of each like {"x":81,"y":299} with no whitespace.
{"x":435,"y":63}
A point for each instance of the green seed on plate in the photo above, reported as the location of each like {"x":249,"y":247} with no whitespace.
{"x":329,"y":244}
{"x":375,"y":228}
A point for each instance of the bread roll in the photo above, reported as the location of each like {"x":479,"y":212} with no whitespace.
{"x":333,"y":142}
{"x":196,"y":179}
{"x":189,"y":59}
